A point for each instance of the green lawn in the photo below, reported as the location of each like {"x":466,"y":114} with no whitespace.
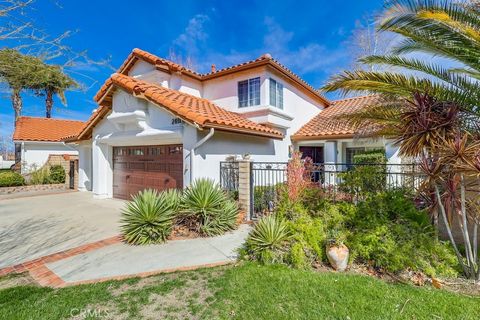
{"x":248,"y":291}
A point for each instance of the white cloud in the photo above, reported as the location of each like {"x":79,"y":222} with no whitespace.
{"x":311,"y":57}
{"x":194,"y":35}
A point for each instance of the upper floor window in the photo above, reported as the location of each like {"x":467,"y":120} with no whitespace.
{"x":249,"y":92}
{"x":276,"y":94}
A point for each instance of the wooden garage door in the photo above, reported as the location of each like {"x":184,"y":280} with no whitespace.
{"x":143,"y":167}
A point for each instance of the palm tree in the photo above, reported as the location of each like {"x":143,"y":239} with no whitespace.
{"x":50,"y":81}
{"x":442,"y":28}
{"x":429,"y":109}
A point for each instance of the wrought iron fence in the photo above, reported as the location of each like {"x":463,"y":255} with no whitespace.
{"x":229,"y":173}
{"x":266,"y":180}
{"x":338,"y":181}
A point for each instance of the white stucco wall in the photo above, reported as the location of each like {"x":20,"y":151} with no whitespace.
{"x":35,"y":154}
{"x":222,"y":145}
{"x":85,"y":176}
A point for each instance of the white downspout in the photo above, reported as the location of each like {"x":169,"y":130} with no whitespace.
{"x":192,"y":151}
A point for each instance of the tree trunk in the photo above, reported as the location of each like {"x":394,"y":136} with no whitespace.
{"x":49,"y":103}
{"x":466,"y":235}
{"x":449,"y":231}
{"x":17,"y":103}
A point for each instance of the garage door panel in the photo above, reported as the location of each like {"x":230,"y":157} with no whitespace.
{"x":139,"y":168}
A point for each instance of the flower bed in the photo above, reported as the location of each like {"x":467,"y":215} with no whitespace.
{"x":203,"y":209}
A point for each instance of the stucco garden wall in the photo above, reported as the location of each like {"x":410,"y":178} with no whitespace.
{"x":35,"y":154}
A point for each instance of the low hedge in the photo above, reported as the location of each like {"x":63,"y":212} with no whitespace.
{"x":57,"y":174}
{"x":11,"y":179}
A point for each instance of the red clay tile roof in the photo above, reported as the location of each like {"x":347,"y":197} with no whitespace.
{"x":326,"y":125}
{"x":192,"y":109}
{"x":158,"y":62}
{"x":170,"y":66}
{"x":45,"y":129}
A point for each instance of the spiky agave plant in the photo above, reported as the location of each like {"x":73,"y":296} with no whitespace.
{"x":149,"y":217}
{"x":221,"y":221}
{"x":207,"y":208}
{"x":265,"y":241}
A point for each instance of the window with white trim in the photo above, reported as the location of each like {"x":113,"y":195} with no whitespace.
{"x":249,"y":92}
{"x":276,"y":94}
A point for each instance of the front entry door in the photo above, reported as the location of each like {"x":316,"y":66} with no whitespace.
{"x":314,"y":153}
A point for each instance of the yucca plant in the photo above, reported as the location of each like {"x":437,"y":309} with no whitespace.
{"x":266,"y":240}
{"x":207,"y":209}
{"x":149,"y":217}
{"x":222,"y":221}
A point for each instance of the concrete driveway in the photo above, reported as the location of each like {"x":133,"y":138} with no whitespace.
{"x":41,"y":225}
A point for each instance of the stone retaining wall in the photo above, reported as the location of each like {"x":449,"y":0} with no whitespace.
{"x":32,"y":188}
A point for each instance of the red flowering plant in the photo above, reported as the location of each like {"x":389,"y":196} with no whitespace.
{"x":296,"y":182}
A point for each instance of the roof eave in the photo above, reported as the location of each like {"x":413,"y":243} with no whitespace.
{"x":244,"y":131}
{"x":321,"y":137}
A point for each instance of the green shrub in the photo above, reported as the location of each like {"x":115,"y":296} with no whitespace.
{"x":40,"y":176}
{"x":149,"y":217}
{"x":266,"y":242}
{"x":57,"y":174}
{"x":390,"y":233}
{"x":309,"y":234}
{"x":365,"y":179}
{"x":264,"y":198}
{"x":313,"y":198}
{"x":11,"y":179}
{"x":371,"y":156}
{"x":207,"y":209}
{"x":385,"y":231}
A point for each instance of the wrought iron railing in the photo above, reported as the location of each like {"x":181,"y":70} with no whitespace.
{"x":339,"y":181}
{"x":229,"y":173}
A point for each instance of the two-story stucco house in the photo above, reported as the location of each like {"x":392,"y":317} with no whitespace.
{"x":160,"y":125}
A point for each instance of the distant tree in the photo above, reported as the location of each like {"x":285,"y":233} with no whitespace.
{"x":16,"y":71}
{"x":19,"y":31}
{"x":50,"y":80}
{"x":24,"y":72}
{"x":187,"y":62}
{"x":365,"y":40}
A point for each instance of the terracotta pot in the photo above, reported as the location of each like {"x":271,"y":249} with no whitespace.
{"x":338,"y":256}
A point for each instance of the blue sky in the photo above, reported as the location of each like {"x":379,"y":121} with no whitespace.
{"x":309,"y":37}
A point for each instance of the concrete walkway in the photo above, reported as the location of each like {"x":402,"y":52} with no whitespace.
{"x":121,"y":260}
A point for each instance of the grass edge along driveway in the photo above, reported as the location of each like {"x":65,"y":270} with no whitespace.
{"x":245,"y":291}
